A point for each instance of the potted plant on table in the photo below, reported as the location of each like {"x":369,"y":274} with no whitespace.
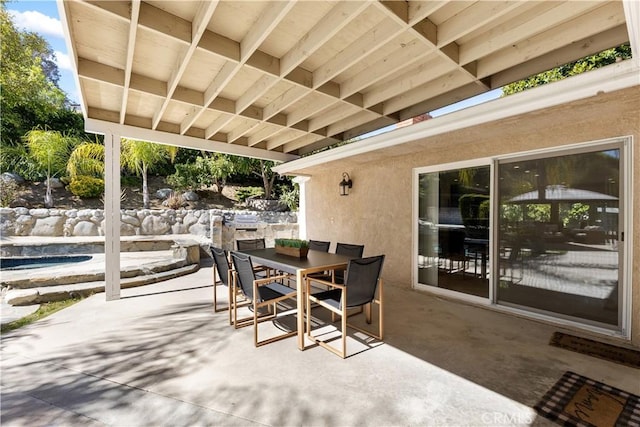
{"x":292,"y":247}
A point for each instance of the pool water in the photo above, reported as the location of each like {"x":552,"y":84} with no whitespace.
{"x":26,"y":263}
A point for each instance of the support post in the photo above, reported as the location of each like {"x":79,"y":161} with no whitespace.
{"x":302,"y":208}
{"x":112,"y":216}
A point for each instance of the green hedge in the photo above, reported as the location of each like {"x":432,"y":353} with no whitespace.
{"x":86,"y":186}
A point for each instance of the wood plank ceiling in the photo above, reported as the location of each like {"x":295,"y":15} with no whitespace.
{"x":295,"y":76}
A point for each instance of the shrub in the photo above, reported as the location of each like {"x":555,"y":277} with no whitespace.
{"x":174,"y":201}
{"x":8,"y":192}
{"x":86,"y":186}
{"x":245,"y":192}
{"x":290,"y":196}
{"x":190,"y":176}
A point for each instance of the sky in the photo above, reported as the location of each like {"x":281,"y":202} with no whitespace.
{"x":42,"y":17}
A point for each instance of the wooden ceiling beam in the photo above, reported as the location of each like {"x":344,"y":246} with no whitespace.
{"x":404,"y":56}
{"x":418,"y":10}
{"x":504,"y":35}
{"x":443,"y":84}
{"x":429,"y":69}
{"x":371,"y":41}
{"x":198,"y":27}
{"x":334,"y":21}
{"x":472,"y":18}
{"x":576,"y":50}
{"x":131,"y":43}
{"x":598,"y":20}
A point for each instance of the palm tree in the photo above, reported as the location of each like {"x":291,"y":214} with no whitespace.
{"x":87,"y":159}
{"x":141,"y":157}
{"x":50,"y":150}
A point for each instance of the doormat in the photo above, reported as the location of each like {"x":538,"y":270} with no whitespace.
{"x":612,"y":353}
{"x":577,"y":401}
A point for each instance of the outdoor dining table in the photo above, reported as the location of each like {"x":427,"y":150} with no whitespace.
{"x":315,"y":261}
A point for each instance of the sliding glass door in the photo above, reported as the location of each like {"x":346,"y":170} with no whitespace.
{"x":453,"y":229}
{"x":540,"y":233}
{"x":558,"y":230}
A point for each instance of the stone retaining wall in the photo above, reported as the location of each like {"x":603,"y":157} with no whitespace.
{"x":215,"y":225}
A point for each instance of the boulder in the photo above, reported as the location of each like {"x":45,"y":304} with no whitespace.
{"x":12,"y":177}
{"x":154,"y":225}
{"x":131,"y":220}
{"x":190,"y":196}
{"x":50,"y":227}
{"x":127,"y":230}
{"x":55,"y":183}
{"x":85,"y":228}
{"x":163,"y":193}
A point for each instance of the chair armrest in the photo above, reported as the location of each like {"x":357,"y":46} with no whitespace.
{"x":267,"y":280}
{"x":324,"y":282}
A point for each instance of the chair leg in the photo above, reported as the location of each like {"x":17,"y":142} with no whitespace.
{"x":367,"y":312}
{"x":255,"y":323}
{"x":344,"y":333}
{"x":231,"y":302}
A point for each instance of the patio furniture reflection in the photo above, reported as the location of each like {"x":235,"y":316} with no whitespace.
{"x":359,"y":290}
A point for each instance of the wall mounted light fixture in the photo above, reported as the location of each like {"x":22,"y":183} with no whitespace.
{"x":345,"y":184}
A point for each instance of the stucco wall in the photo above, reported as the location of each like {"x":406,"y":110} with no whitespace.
{"x":377,"y":213}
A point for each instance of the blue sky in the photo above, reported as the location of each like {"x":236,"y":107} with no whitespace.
{"x":42,"y":17}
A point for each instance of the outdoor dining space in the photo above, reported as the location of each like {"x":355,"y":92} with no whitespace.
{"x":161,"y":355}
{"x":291,"y":279}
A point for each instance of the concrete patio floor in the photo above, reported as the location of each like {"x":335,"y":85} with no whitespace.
{"x":160,"y":356}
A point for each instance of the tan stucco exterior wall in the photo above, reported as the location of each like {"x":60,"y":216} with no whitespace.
{"x":378,"y":212}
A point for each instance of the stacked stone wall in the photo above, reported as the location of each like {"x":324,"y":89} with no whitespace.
{"x":214,"y":225}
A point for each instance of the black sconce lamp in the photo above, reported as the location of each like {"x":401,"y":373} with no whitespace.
{"x":345,"y":184}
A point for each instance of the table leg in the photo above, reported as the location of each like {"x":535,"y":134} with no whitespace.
{"x":300,"y":303}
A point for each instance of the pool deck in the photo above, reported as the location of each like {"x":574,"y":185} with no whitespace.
{"x":31,"y":286}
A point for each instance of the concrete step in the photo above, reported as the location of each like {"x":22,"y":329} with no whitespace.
{"x":39,"y":295}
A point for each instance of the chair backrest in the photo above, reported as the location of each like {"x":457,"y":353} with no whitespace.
{"x":319,"y":245}
{"x":222,"y":264}
{"x":244,"y":273}
{"x":248,"y":244}
{"x":348,"y":249}
{"x":361,"y":279}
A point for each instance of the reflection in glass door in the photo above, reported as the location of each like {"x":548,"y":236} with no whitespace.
{"x":558,"y":229}
{"x":453,"y":230}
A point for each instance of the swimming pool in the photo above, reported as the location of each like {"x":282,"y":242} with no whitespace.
{"x":27,"y":263}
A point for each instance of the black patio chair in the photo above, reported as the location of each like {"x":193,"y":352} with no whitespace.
{"x":362,"y":281}
{"x":260,"y":293}
{"x":248,"y":244}
{"x":337,"y":276}
{"x":319,"y":245}
{"x":222,"y":271}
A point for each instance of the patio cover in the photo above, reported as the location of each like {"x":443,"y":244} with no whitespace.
{"x":279,"y":79}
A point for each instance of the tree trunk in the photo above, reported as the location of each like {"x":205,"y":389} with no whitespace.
{"x":145,"y":188}
{"x":266,"y":181}
{"x":48,"y":198}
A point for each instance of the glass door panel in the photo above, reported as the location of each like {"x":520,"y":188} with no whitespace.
{"x":453,"y":230}
{"x":558,"y":227}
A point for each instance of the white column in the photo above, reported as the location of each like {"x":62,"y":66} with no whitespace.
{"x":632,"y":16}
{"x":112,"y":215}
{"x":302,"y":208}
